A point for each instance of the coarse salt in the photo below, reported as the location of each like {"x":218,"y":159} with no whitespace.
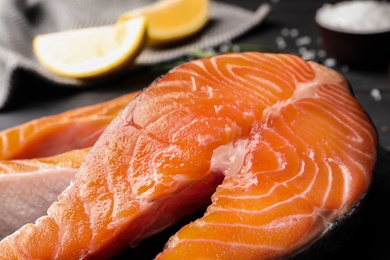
{"x":355,"y":16}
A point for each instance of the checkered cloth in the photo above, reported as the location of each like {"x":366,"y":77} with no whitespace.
{"x":21,"y":20}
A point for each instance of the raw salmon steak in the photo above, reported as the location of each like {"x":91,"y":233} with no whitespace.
{"x":275,"y":147}
{"x":74,"y":129}
{"x":44,"y":178}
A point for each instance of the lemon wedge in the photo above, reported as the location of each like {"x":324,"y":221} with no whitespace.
{"x":91,"y":52}
{"x":171,"y":20}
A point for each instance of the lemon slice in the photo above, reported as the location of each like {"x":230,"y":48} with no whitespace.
{"x":172,"y":20}
{"x":91,"y":52}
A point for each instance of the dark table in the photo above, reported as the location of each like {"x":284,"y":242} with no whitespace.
{"x":288,"y":21}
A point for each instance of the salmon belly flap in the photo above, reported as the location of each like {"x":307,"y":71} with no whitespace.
{"x":279,"y":144}
{"x":74,"y":129}
{"x":29,"y":186}
{"x":40,"y":157}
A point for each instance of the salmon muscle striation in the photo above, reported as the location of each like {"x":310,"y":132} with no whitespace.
{"x":279,"y":144}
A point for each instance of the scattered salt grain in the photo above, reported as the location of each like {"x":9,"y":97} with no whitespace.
{"x":330,"y":62}
{"x":294,"y":32}
{"x":285,"y":32}
{"x":321,"y":53}
{"x":376,"y":94}
{"x":356,"y":16}
{"x":304,"y":40}
{"x":280,"y":42}
{"x":307,"y":54}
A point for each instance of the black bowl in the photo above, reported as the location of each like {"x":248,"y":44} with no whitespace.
{"x":368,"y":49}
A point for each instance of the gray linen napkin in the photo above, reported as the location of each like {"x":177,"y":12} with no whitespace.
{"x":20,"y":20}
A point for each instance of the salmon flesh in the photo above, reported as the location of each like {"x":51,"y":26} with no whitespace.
{"x":74,"y":129}
{"x":275,"y":147}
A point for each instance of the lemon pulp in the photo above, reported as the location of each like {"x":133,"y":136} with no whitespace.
{"x":91,"y":52}
{"x":171,"y":20}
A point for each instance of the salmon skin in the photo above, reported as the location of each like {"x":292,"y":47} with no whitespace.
{"x":75,"y":129}
{"x":279,"y":144}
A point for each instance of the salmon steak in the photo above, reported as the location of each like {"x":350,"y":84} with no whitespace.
{"x":275,"y":148}
{"x":56,"y":138}
{"x":78,"y":128}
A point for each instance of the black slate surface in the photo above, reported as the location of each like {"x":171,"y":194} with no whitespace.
{"x":371,"y":240}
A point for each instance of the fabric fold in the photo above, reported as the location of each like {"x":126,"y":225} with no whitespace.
{"x":21,"y":20}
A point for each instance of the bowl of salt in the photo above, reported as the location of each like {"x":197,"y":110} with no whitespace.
{"x":356,"y":33}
